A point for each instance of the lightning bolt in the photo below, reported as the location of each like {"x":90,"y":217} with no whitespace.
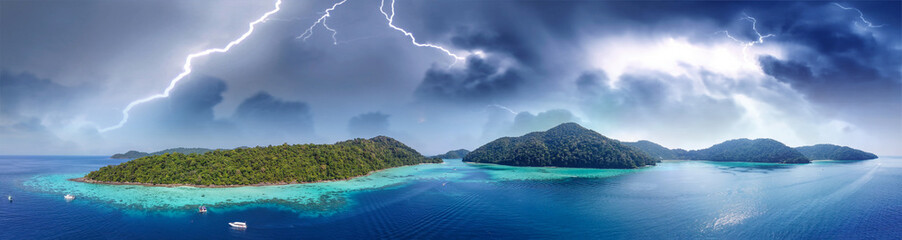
{"x":747,"y":45}
{"x":388,"y":16}
{"x":322,"y":20}
{"x":309,"y":32}
{"x":187,"y":67}
{"x":413,"y":40}
{"x":860,"y":15}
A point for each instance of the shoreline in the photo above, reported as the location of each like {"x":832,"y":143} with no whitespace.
{"x":90,"y":181}
{"x":505,"y":165}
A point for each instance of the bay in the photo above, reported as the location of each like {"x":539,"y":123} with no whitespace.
{"x":675,"y":199}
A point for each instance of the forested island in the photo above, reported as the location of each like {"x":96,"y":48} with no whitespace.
{"x":737,"y":150}
{"x":758,"y":150}
{"x":283,"y":164}
{"x":566,"y":145}
{"x":654,"y":150}
{"x":745,"y":150}
{"x":453,"y":154}
{"x":834,"y":152}
{"x":137,"y":154}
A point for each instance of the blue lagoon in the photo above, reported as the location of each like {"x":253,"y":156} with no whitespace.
{"x":675,"y":199}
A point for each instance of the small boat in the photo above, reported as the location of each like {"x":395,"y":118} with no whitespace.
{"x":10,"y":198}
{"x":69,"y":197}
{"x":202,"y":209}
{"x":238,"y":224}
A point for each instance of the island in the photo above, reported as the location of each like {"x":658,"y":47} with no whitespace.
{"x":566,"y":145}
{"x":453,"y":154}
{"x":271,"y":165}
{"x":137,"y":154}
{"x":763,"y":150}
{"x":738,"y":150}
{"x":834,"y":152}
{"x":655,"y":150}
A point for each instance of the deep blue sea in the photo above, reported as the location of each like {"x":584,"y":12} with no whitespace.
{"x":674,"y":200}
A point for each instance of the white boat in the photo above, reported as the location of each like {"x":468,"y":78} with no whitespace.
{"x":69,"y":197}
{"x":202,"y":209}
{"x":238,"y":224}
{"x":10,"y":198}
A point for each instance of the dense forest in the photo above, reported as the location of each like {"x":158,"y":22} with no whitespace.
{"x":136,"y":154}
{"x":453,"y":154}
{"x":273,"y":164}
{"x":745,"y":150}
{"x":759,"y":150}
{"x":566,"y":145}
{"x":654,"y":150}
{"x":834,"y":152}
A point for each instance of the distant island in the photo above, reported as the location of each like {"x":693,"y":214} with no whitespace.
{"x":136,"y":154}
{"x":453,"y":154}
{"x":283,"y":164}
{"x":758,"y":150}
{"x":763,"y":150}
{"x":834,"y":152}
{"x":566,"y":145}
{"x":655,"y":150}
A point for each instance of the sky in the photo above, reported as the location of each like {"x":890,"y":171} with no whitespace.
{"x":443,"y":75}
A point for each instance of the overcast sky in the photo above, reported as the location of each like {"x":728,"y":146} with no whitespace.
{"x":682,"y":74}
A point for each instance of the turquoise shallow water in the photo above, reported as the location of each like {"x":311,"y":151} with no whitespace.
{"x":144,"y":197}
{"x":676,"y":199}
{"x":303,"y":197}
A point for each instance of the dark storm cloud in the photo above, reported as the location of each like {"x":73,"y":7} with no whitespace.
{"x":28,"y":103}
{"x":48,"y":36}
{"x":538,"y":55}
{"x":186,"y":114}
{"x":835,"y":44}
{"x":482,"y":81}
{"x":24,"y":94}
{"x":660,"y":103}
{"x":368,"y":124}
{"x":28,"y":133}
{"x":589,"y":83}
{"x":187,"y":118}
{"x":268,"y":115}
{"x":527,"y":30}
{"x":841,"y":64}
{"x":495,"y":41}
{"x":191,"y":105}
{"x":834,"y":50}
{"x":789,"y":71}
{"x":825,"y":55}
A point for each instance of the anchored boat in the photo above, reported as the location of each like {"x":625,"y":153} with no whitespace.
{"x":69,"y":197}
{"x":238,"y":224}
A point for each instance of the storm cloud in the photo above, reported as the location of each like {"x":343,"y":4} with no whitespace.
{"x":482,"y":81}
{"x":684,"y":74}
{"x":268,"y":117}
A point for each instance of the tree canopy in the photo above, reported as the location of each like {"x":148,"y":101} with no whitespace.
{"x":746,"y":150}
{"x":453,"y":154}
{"x":136,"y":154}
{"x":566,"y":145}
{"x":272,"y":164}
{"x":834,"y":152}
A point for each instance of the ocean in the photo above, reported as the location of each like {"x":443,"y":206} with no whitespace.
{"x":455,"y":200}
